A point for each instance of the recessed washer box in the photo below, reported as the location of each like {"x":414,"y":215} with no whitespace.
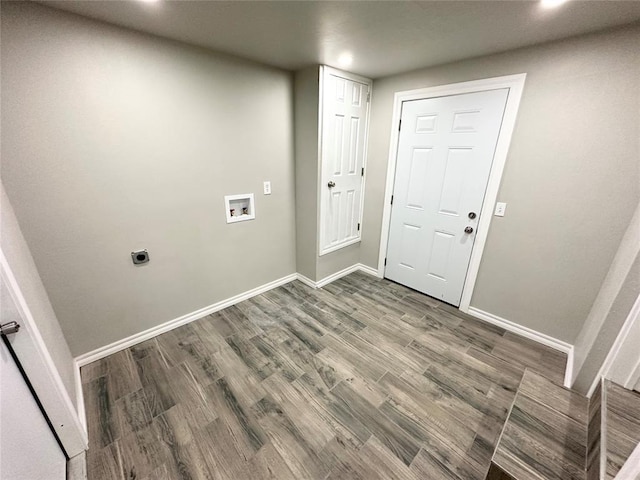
{"x":240,"y":207}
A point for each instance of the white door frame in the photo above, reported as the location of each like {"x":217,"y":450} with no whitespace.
{"x":43,"y":374}
{"x":515,"y":84}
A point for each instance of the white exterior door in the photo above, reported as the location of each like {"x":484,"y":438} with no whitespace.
{"x":345,"y":106}
{"x":445,"y":151}
{"x":28,"y":449}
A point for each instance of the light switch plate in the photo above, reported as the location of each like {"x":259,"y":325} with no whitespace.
{"x":267,"y":188}
{"x":500,"y":209}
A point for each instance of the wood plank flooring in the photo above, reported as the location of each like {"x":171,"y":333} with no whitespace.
{"x":362,"y":379}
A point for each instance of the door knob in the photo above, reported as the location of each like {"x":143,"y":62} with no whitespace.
{"x":468,"y":230}
{"x":472,"y":215}
{"x":331,"y":184}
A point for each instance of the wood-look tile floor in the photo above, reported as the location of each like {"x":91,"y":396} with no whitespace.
{"x":361,"y":379}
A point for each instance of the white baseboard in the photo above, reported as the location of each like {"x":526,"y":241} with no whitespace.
{"x":370,"y":270}
{"x":77,"y":467}
{"x":342,"y":273}
{"x":171,"y":324}
{"x":79,"y":395}
{"x":307,"y":281}
{"x":568,"y":373}
{"x":531,"y":335}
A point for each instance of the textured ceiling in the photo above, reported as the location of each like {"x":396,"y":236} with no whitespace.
{"x":384,"y":37}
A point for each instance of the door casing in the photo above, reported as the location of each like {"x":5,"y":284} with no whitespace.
{"x":515,"y":84}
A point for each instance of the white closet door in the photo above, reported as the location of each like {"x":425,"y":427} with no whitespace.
{"x":345,"y":105}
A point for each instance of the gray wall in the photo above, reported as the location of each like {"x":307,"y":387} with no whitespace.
{"x":15,"y":250}
{"x":306,"y":102}
{"x":333,"y":262}
{"x":113,"y":141}
{"x":610,"y":309}
{"x":610,"y":329}
{"x":571,"y":179}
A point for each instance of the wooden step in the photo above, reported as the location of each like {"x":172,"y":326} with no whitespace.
{"x":594,"y":432}
{"x":545,"y":436}
{"x":621,"y":427}
{"x":554,"y":433}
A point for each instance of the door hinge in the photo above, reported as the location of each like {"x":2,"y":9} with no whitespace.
{"x":358,"y":227}
{"x":385,"y":262}
{"x":9,"y":328}
{"x":399,"y":124}
{"x":391,"y":199}
{"x":362,"y":174}
{"x":368,"y":96}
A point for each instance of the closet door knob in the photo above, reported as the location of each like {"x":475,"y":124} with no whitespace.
{"x":468,"y":230}
{"x":331,"y":184}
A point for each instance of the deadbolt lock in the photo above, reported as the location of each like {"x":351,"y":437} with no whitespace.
{"x":472,"y":215}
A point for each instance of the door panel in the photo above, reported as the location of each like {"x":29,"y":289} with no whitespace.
{"x":446,"y":147}
{"x":416,"y":194}
{"x":344,"y":125}
{"x":409,"y":242}
{"x":454,"y":179}
{"x":439,"y":257}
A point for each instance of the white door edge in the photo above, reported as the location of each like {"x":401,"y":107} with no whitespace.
{"x":515,"y":84}
{"x":46,"y":380}
{"x":631,"y":468}
{"x":629,"y":373}
{"x":324,"y":69}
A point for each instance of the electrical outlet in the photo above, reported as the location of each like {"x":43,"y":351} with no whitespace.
{"x":500,"y":209}
{"x":267,"y":188}
{"x":140,"y":256}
